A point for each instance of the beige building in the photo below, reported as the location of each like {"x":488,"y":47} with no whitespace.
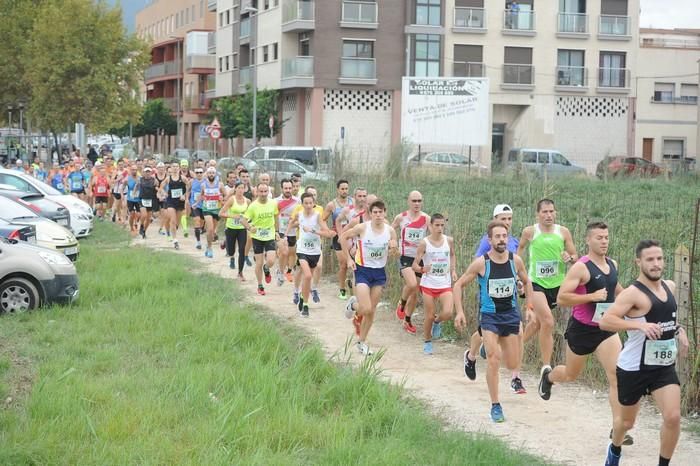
{"x":181,"y":33}
{"x":667,"y":89}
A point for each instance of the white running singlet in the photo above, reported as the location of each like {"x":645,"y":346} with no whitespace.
{"x":437,"y":262}
{"x":373,"y":248}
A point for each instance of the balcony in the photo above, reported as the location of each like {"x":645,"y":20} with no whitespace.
{"x":469,"y":20}
{"x":245,"y":78}
{"x":355,"y":70}
{"x":196,"y":103}
{"x":468,"y":69}
{"x":297,"y":72}
{"x":519,"y":23}
{"x":683,"y":100}
{"x":612,"y":27}
{"x":518,"y":76}
{"x":359,"y":15}
{"x":572,"y":25}
{"x":572,"y":79}
{"x":200,"y":64}
{"x":163,"y":71}
{"x":298,"y":15}
{"x":211,"y":43}
{"x":613,"y":80}
{"x":211,"y":5}
{"x":244,"y":33}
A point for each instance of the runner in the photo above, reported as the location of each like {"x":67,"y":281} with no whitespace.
{"x":149,"y":199}
{"x":266,"y":179}
{"x":244,"y":176}
{"x":133,"y":197}
{"x":315,"y":295}
{"x":310,"y":229}
{"x":646,"y":310}
{"x":502,"y":213}
{"x":297,"y":188}
{"x":496,"y":272}
{"x":413,"y":226}
{"x":236,"y":233}
{"x":231,"y":182}
{"x":99,"y":187}
{"x":212,"y":194}
{"x":589,"y":288}
{"x":286,"y":203}
{"x":437,"y":275}
{"x":261,"y":220}
{"x":375,"y":241}
{"x":333,"y":210}
{"x":551,"y":247}
{"x":187,"y":175}
{"x":76,"y":182}
{"x":194,"y":198}
{"x":118,"y":206}
{"x":174,"y":193}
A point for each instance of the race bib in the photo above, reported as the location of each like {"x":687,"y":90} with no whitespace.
{"x":546,"y":269}
{"x":283,"y":223}
{"x":211,"y":205}
{"x":176,"y":193}
{"x":263,"y":232}
{"x":134,"y":194}
{"x":501,"y":287}
{"x":439,"y":268}
{"x":147,"y":202}
{"x":600,"y":309}
{"x":660,"y":352}
{"x":311,"y":241}
{"x":77,"y":184}
{"x":413,"y":235}
{"x":196,"y":197}
{"x":101,"y":189}
{"x":376,"y":252}
{"x":236,"y":221}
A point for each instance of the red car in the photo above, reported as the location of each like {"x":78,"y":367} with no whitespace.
{"x":628,"y":166}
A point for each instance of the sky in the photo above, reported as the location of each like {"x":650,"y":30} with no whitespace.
{"x":666,"y":14}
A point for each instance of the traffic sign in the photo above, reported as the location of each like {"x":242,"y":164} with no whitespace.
{"x":215,"y":123}
{"x":215,"y":133}
{"x":203,"y":131}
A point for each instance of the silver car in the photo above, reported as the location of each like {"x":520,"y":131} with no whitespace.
{"x":284,"y":168}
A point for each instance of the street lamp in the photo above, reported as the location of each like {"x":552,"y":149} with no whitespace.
{"x":253,"y":13}
{"x":21,"y":125}
{"x":178,"y":61}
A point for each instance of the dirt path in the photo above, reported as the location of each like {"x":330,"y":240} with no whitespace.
{"x":571,"y":428}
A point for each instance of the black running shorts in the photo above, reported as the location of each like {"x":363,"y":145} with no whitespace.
{"x":633,"y":385}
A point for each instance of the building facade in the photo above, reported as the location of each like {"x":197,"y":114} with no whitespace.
{"x":559,"y":71}
{"x":667,"y":89}
{"x":182,"y":71}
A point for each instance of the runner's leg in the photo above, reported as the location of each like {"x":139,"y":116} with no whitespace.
{"x":546,"y":324}
{"x":668,"y":399}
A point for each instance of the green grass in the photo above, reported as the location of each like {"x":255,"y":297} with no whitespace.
{"x":157,"y":365}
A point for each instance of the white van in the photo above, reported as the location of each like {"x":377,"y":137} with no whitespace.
{"x":314,"y":159}
{"x":539,"y":160}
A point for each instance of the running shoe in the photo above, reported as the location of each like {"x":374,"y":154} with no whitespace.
{"x":482,"y":351}
{"x":410,"y":328}
{"x":357,"y":322}
{"x":198,"y":245}
{"x":627,"y":441}
{"x":400,"y":313}
{"x":436,"y":330}
{"x":280,"y":278}
{"x":348,"y":284}
{"x":268,"y":276}
{"x":517,"y":385}
{"x":363,"y":348}
{"x":300,"y":304}
{"x":497,"y":413}
{"x":261,"y":290}
{"x":295,"y":297}
{"x":315,"y":296}
{"x":342,"y":295}
{"x":247,"y":261}
{"x":428,"y":347}
{"x":209,"y":253}
{"x":186,"y":234}
{"x":176,"y":245}
{"x":160,"y":231}
{"x":222,"y":245}
{"x":305,"y":311}
{"x":612,"y":459}
{"x":288,"y":275}
{"x":232,"y":263}
{"x":545,"y":388}
{"x":469,"y":366}
{"x":349,"y":311}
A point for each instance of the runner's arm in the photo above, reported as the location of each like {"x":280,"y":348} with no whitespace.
{"x":223,"y":213}
{"x":467,"y":277}
{"x":576,"y":276}
{"x":524,"y":241}
{"x":521,"y":270}
{"x":349,"y":233}
{"x":569,"y":255}
{"x":293,"y":223}
{"x":327,"y":211}
{"x":393,"y":244}
{"x":614,"y":318}
{"x":324,"y":230}
{"x":453,"y":258}
{"x":420,"y":252}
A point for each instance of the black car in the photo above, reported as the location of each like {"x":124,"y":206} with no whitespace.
{"x":14,"y":232}
{"x":38,"y":204}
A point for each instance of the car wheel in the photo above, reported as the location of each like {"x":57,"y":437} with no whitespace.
{"x":18,"y":295}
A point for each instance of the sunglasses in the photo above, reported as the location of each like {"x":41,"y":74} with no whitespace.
{"x":198,"y":172}
{"x":416,"y":200}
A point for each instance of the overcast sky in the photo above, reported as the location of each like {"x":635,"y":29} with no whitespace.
{"x":669,"y":14}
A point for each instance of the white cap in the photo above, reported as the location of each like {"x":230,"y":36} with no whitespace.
{"x":502,"y":209}
{"x":19,"y":162}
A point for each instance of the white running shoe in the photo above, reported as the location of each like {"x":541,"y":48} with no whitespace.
{"x":349,"y":311}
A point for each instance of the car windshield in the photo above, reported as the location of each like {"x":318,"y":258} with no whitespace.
{"x":12,"y":210}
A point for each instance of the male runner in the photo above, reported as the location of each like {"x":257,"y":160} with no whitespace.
{"x":551,"y":247}
{"x":286,"y":203}
{"x":194,"y":198}
{"x":435,"y":261}
{"x":497,"y":272}
{"x":310,"y":229}
{"x":333,"y":210}
{"x":76,"y":182}
{"x":375,"y":240}
{"x":261,"y":220}
{"x":297,"y":188}
{"x":413,"y":226}
{"x":149,"y":199}
{"x":212,"y":194}
{"x":133,"y":197}
{"x":646,"y":310}
{"x":99,"y":187}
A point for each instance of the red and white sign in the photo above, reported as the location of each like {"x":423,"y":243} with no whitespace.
{"x":215,"y":133}
{"x":214,"y":129}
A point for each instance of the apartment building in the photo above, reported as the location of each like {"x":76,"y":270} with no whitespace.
{"x":182,"y":71}
{"x":559,"y":71}
{"x":667,"y":90}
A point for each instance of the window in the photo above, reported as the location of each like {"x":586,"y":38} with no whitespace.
{"x":689,"y":93}
{"x":221,"y":64}
{"x":187,"y":16}
{"x":228,"y":17}
{"x":673,"y":148}
{"x":529,"y":157}
{"x":227,"y":63}
{"x":559,"y":159}
{"x":517,"y":66}
{"x":543,"y":157}
{"x":304,"y":44}
{"x":221,"y":19}
{"x":570,"y":69}
{"x":266,"y":4}
{"x":663,"y":92}
{"x":468,"y":60}
{"x":358,"y":49}
{"x":275,"y":51}
{"x":266,"y":54}
{"x":253,"y":53}
{"x":193,"y":15}
{"x":426,"y":51}
{"x":235,"y":61}
{"x":428,"y":12}
{"x":612,"y":70}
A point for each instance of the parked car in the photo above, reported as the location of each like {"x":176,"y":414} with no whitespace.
{"x":540,"y":160}
{"x":281,"y":168}
{"x":201,"y":154}
{"x":227,"y":164}
{"x":13,"y":232}
{"x":316,"y":159}
{"x":32,"y":276}
{"x":48,"y":233}
{"x":179,"y":154}
{"x":446,"y":161}
{"x":39,"y":204}
{"x":81,"y":215}
{"x":628,"y":166}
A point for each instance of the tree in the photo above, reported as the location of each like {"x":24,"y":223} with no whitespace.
{"x":82,"y":66}
{"x":236,"y":115}
{"x":155,"y":117}
{"x":223,"y":109}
